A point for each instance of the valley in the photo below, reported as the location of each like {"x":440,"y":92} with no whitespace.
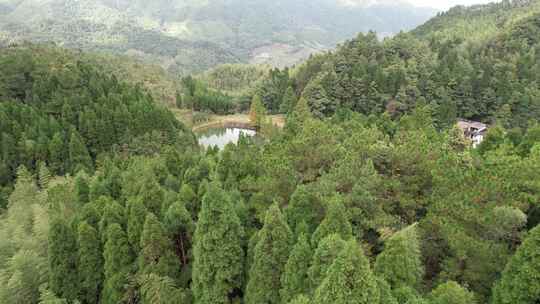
{"x":144,"y":160}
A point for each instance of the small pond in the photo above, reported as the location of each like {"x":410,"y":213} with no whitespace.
{"x":221,"y":136}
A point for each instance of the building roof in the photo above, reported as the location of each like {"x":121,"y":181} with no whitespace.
{"x":467,"y":125}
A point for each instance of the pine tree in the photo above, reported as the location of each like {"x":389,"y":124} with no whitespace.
{"x":270,"y":256}
{"x":90,"y":264}
{"x":218,"y":253}
{"x":452,"y":293}
{"x":44,"y":175}
{"x":301,"y":299}
{"x":336,"y":221}
{"x":82,"y":187}
{"x":117,"y":264}
{"x":400,"y":262}
{"x":56,"y":154}
{"x":385,"y":292}
{"x":160,"y":290}
{"x":323,"y":258}
{"x":520,"y":280}
{"x":295,"y":279}
{"x":63,"y":278}
{"x":188,"y":197}
{"x":156,"y":250}
{"x":257,"y":112}
{"x":349,"y":279}
{"x":289,"y":101}
{"x":79,"y":158}
{"x":298,"y":117}
{"x":113,"y":213}
{"x":305,"y":207}
{"x":180,"y":227}
{"x":152,"y":195}
{"x":135,"y":222}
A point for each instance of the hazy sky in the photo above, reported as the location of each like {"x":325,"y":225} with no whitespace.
{"x":445,"y":4}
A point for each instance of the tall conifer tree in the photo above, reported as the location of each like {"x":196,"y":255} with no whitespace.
{"x":270,"y":256}
{"x":349,"y":280}
{"x":63,"y":277}
{"x":90,"y":264}
{"x":218,"y":253}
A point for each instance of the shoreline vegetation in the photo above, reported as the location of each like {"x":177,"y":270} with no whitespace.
{"x":238,"y":120}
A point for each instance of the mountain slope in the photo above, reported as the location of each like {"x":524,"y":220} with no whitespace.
{"x":193,"y":35}
{"x":479,"y":63}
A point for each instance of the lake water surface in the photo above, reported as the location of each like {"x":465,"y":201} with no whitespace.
{"x":221,"y":136}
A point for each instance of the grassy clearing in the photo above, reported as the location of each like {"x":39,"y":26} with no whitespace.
{"x":186,"y":116}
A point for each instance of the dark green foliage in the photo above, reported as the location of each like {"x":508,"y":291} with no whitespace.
{"x":79,"y":158}
{"x":294,"y":280}
{"x":117,"y":257}
{"x":180,"y":227}
{"x":519,"y":281}
{"x":90,"y":264}
{"x":64,"y":111}
{"x":157,"y":254}
{"x":218,"y":253}
{"x":385,"y":155}
{"x":63,"y":276}
{"x":349,"y":279}
{"x":269,"y":259}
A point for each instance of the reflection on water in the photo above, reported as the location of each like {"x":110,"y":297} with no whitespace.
{"x":220,"y":137}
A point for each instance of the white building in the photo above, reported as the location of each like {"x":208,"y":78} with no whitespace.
{"x":473,"y":130}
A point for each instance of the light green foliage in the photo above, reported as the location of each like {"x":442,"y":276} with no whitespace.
{"x":520,"y":281}
{"x":48,"y":297}
{"x":294,"y":279}
{"x":385,"y":292}
{"x":160,"y":290}
{"x":400,"y":262}
{"x":336,"y":221}
{"x":289,"y":101}
{"x":217,"y":250}
{"x":63,"y":276}
{"x":257,"y":112}
{"x":349,"y":279}
{"x":135,"y":223}
{"x":300,"y":300}
{"x":451,"y":293}
{"x":269,"y":259}
{"x":323,"y":257}
{"x":89,"y":264}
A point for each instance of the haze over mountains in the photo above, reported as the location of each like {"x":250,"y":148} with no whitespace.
{"x":193,"y":35}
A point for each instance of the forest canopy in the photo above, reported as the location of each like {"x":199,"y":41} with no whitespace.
{"x":369,"y":194}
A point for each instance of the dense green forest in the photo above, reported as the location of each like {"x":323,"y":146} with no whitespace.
{"x":479,"y":63}
{"x":368,"y":195}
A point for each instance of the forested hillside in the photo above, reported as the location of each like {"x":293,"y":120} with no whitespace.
{"x":194,"y":35}
{"x":370,"y":193}
{"x":478,"y":63}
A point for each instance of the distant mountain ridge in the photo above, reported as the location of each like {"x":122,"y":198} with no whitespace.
{"x":193,"y":35}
